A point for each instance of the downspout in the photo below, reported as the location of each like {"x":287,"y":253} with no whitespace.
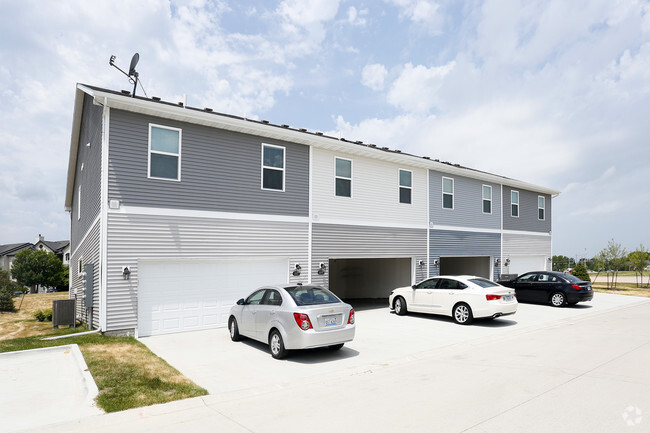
{"x":94,"y":331}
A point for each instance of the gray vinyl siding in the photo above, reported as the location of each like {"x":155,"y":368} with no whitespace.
{"x":90,"y":177}
{"x":528,"y":217}
{"x":219,"y":170}
{"x":143,"y":237}
{"x":516,"y":244}
{"x":352,"y":242}
{"x":449,"y":243}
{"x":468,"y":203}
{"x":88,"y":252}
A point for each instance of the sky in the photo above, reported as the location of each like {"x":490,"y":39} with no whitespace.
{"x":555,"y":93}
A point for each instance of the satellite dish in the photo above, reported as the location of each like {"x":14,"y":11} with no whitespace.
{"x":134,"y":62}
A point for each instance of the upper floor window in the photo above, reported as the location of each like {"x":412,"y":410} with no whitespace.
{"x":541,"y":207}
{"x":514,"y":203}
{"x":405,"y":186}
{"x":79,"y":203}
{"x":487,"y":199}
{"x":447,"y":193}
{"x":164,"y":152}
{"x":273,"y":162}
{"x":343,"y":177}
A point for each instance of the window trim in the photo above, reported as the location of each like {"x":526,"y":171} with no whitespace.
{"x":512,"y":203}
{"x":80,"y":266}
{"x":453,"y":192}
{"x":283,"y":169}
{"x":400,"y":186}
{"x":79,"y":203}
{"x":336,"y":176}
{"x":484,"y":199}
{"x":543,"y":208}
{"x":180,"y":142}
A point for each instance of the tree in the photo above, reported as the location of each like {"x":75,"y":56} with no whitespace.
{"x":31,"y":268}
{"x":7,"y":288}
{"x":639,"y":260}
{"x":616,"y":258}
{"x":560,"y":263}
{"x":580,"y":271}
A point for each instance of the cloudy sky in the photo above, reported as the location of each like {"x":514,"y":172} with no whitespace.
{"x":556,"y":93}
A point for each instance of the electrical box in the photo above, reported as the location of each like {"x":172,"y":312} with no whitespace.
{"x":89,"y":268}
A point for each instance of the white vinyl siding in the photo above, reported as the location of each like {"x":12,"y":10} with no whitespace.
{"x":273,"y":163}
{"x":447,"y":193}
{"x":514,"y":204}
{"x":541,"y":208}
{"x":164,"y":152}
{"x":343,"y":177}
{"x":405,"y":186}
{"x":487,"y":199}
{"x":375,"y":193}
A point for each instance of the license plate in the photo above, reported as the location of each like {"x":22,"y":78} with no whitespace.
{"x":330,"y":321}
{"x":507,"y":298}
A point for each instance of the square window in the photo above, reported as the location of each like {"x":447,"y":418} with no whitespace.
{"x":405,"y":186}
{"x":164,"y":152}
{"x":343,"y":177}
{"x":273,"y":160}
{"x":447,"y":193}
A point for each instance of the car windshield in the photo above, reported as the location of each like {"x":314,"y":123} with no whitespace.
{"x":483,"y":282}
{"x":310,"y":295}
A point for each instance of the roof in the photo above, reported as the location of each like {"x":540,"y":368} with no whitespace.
{"x":56,"y":246}
{"x":9,"y":249}
{"x":154,"y":106}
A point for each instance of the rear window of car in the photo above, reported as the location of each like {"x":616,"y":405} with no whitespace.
{"x":483,"y":282}
{"x":309,"y":295}
{"x":572,"y":278}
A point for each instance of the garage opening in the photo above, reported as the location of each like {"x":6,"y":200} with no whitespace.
{"x":368,"y":278}
{"x":479,"y":266}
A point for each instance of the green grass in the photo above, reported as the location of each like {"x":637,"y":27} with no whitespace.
{"x":127,"y":373}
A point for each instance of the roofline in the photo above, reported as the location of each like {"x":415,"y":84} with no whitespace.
{"x":154,"y":107}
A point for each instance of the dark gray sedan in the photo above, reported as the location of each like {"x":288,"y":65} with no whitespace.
{"x":555,"y":288}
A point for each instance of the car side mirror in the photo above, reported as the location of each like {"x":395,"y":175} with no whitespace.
{"x":240,"y":302}
{"x":414,"y":286}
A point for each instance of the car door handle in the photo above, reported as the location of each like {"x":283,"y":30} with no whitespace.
{"x":272,"y":312}
{"x":428,"y":293}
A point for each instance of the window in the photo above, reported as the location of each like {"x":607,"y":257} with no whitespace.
{"x":541,"y":206}
{"x":273,"y":167}
{"x":405,"y":186}
{"x":514,"y":203}
{"x":255,"y":298}
{"x":164,"y":152}
{"x":343,"y":177}
{"x":428,"y":284}
{"x":447,"y":193}
{"x":487,"y":199}
{"x":80,"y":269}
{"x":79,"y":203}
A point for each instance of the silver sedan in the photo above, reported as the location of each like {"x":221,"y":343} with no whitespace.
{"x":292,"y":317}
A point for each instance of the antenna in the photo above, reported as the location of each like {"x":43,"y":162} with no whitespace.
{"x":133,"y":74}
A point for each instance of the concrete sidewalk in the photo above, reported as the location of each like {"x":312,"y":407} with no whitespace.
{"x":580,"y":374}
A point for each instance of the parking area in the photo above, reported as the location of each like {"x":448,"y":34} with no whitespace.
{"x":383,"y":339}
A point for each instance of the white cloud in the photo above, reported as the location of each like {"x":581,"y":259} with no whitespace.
{"x":417,"y":87}
{"x":357,"y":17}
{"x":424,"y":13}
{"x":373,"y":76}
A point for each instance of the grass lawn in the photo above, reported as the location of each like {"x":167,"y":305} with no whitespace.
{"x":127,"y":373}
{"x":622,"y":289}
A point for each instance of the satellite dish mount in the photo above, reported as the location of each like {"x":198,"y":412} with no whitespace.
{"x":133,"y":74}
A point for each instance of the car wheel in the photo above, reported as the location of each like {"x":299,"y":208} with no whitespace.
{"x":335,"y":346}
{"x":234,"y":329}
{"x":463,"y":314}
{"x":558,"y":299}
{"x":277,"y":345}
{"x":400,"y":306}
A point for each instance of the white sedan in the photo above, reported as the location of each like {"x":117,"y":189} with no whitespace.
{"x":461,"y":297}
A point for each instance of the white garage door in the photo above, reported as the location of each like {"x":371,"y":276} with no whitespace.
{"x":522,"y":264}
{"x":188,"y":296}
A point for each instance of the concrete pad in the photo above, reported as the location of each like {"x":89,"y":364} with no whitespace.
{"x":44,"y":386}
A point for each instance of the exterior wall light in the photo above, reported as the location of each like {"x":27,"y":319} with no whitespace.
{"x":296,"y":271}
{"x":497,"y":262}
{"x":126,"y":273}
{"x":321,"y":268}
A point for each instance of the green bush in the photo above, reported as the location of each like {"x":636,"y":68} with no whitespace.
{"x":43,"y":315}
{"x":6,"y":300}
{"x":580,"y":271}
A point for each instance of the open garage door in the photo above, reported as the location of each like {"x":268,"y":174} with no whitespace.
{"x":188,"y":296}
{"x":522,"y":264}
{"x":368,"y":278}
{"x":479,"y":266}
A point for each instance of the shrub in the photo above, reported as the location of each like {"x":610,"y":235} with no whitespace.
{"x":43,"y":315}
{"x":6,"y":299}
{"x":580,"y":271}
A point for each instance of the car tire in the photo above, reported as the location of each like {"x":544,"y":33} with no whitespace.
{"x":399,"y":305}
{"x":462,"y":314}
{"x":558,"y":299}
{"x":335,"y":346}
{"x":276,"y":344}
{"x":233,"y":329}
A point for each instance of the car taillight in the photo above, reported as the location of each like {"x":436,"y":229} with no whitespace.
{"x":492,"y":297}
{"x":303,"y":321}
{"x":351,"y":317}
{"x":576,"y":286}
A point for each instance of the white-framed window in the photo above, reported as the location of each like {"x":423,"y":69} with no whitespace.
{"x":447,"y":193}
{"x":273,"y":163}
{"x":80,"y":268}
{"x":79,"y":203}
{"x":343,"y":177}
{"x":487,"y":199}
{"x":405,"y":186}
{"x":164,"y":152}
{"x":541,"y":207}
{"x":514,"y":203}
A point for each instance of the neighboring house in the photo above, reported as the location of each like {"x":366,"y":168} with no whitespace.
{"x":177,"y":212}
{"x":60,"y":248}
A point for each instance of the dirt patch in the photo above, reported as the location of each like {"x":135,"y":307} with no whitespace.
{"x":22,"y":323}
